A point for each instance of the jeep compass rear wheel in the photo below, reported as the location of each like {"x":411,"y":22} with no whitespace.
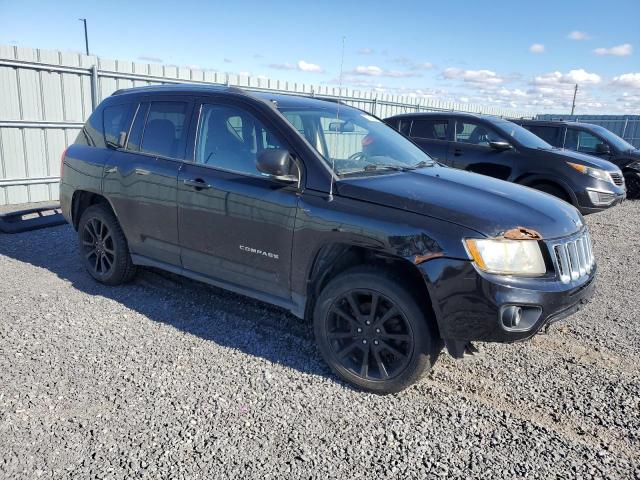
{"x":103,"y":246}
{"x":373,"y":333}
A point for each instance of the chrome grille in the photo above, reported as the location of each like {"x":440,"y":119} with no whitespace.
{"x":573,"y":257}
{"x":617,"y":178}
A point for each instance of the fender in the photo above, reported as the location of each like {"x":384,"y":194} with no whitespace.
{"x":530,"y":179}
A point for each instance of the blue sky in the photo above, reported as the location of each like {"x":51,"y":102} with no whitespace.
{"x":521,"y":55}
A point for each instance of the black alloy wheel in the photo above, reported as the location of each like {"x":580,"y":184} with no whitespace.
{"x":375,"y":329}
{"x":369,"y":335}
{"x":98,"y":247}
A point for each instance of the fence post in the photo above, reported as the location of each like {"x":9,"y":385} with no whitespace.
{"x":94,"y":86}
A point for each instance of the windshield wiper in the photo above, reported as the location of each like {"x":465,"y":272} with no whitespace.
{"x":421,"y":164}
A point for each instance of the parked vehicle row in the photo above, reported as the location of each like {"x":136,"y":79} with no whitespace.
{"x":592,"y":140}
{"x":499,"y":148}
{"x":326,"y":211}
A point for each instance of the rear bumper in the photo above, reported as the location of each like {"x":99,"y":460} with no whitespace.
{"x":468,"y":304}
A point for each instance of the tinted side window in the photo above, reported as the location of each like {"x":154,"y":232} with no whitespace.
{"x":581,"y":141}
{"x":546,"y":133}
{"x":165,"y":132}
{"x":475,"y":134}
{"x":135,"y":135}
{"x":430,"y":128}
{"x":231,"y":138}
{"x":92,"y":132}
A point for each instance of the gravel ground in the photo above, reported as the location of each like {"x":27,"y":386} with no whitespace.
{"x":168,"y":378}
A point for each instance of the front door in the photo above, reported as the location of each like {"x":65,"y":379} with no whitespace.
{"x":471,"y":150}
{"x":235,"y":223}
{"x":141,"y":179}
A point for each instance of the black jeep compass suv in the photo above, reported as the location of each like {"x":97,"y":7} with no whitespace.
{"x":591,"y":140}
{"x":324,"y":210}
{"x":499,"y":148}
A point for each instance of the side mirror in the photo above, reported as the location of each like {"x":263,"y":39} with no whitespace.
{"x":277,"y":163}
{"x":500,"y":146}
{"x":122,"y":139}
{"x":342,"y":127}
{"x":603,"y":149}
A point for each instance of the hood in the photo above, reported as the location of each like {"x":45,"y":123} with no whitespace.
{"x":484,"y":204}
{"x":577,"y":157}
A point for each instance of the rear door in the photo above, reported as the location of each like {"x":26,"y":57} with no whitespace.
{"x":236,"y":224}
{"x":471,"y":150}
{"x":549,"y":133}
{"x":432,"y":135}
{"x":141,"y":179}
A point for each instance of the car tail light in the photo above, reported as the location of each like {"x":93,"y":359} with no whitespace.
{"x":64,"y":154}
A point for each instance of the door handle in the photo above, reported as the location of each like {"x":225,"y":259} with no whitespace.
{"x":111,"y":170}
{"x":141,"y":171}
{"x":196,"y":183}
{"x":457,"y":152}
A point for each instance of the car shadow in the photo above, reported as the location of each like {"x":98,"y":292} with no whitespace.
{"x":195,"y":308}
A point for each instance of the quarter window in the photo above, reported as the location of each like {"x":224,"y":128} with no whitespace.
{"x":165,"y":131}
{"x":232,"y":139}
{"x":116,"y":119}
{"x":432,"y":129}
{"x":475,"y":134}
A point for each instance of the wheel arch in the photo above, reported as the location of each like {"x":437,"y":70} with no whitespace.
{"x":83,"y":199}
{"x":534,"y":180}
{"x":332,"y":259}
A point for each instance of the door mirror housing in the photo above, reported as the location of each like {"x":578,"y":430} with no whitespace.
{"x":500,"y":146}
{"x":277,"y":163}
{"x":603,"y":149}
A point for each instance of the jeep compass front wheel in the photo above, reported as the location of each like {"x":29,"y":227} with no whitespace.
{"x":373,"y":333}
{"x":103,"y":246}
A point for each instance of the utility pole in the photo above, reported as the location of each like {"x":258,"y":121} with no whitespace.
{"x":86,"y":35}
{"x":575,"y":92}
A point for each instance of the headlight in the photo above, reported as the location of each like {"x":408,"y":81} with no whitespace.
{"x":507,"y":257}
{"x":592,"y":172}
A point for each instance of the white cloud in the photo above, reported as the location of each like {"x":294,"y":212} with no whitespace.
{"x":281,"y":66}
{"x":375,"y":71}
{"x":309,"y":67}
{"x":617,"y":51}
{"x":227,"y":60}
{"x":578,"y":35}
{"x":478,"y":77}
{"x":536,"y":48}
{"x":365,"y":51}
{"x":629,"y":80}
{"x":150,"y":58}
{"x":579,"y":76}
{"x":369,"y":70}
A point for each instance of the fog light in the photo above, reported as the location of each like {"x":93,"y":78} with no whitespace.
{"x":601,"y":197}
{"x":511,"y":316}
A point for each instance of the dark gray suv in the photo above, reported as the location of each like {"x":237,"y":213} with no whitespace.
{"x":499,"y":148}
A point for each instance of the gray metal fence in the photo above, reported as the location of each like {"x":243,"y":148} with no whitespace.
{"x":625,"y":126}
{"x":45,"y":97}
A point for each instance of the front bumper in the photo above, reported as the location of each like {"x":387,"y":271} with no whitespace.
{"x":468,"y":303}
{"x":598,"y":198}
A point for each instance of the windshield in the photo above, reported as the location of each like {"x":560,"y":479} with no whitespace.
{"x":521,"y":135}
{"x":617,"y":142}
{"x":352,"y":141}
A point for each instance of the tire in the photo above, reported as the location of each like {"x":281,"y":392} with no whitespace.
{"x":103,"y":246}
{"x":385,"y":355}
{"x":553,"y":190}
{"x":632,"y":180}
